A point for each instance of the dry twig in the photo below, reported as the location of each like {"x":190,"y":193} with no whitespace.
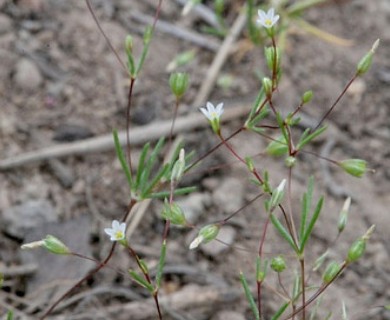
{"x":103,"y":143}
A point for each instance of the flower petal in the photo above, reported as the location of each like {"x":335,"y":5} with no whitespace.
{"x":219,"y":109}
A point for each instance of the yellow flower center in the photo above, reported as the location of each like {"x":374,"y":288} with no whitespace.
{"x":268,"y":22}
{"x":119,"y":235}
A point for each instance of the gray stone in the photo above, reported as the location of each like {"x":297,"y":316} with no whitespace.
{"x":5,"y":24}
{"x":225,"y":237}
{"x":229,"y":195}
{"x":27,"y":75}
{"x":194,"y":205}
{"x":21,"y":218}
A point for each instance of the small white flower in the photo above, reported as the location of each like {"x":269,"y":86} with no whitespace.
{"x":196,"y":242}
{"x":212,"y":113}
{"x":268,"y":19}
{"x":117,"y":232}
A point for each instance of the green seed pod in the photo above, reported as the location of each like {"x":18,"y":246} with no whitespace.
{"x":356,"y":250}
{"x":343,"y":218}
{"x":355,"y":167}
{"x":178,"y":167}
{"x":330,"y":272}
{"x":269,"y":53}
{"x":307,"y":96}
{"x":278,"y":264}
{"x":54,"y":245}
{"x":290,"y":161}
{"x":179,"y":83}
{"x":267,"y":85}
{"x":261,"y":269}
{"x":209,"y":232}
{"x":278,"y":147}
{"x":365,"y":63}
{"x":205,"y":235}
{"x":277,"y":195}
{"x":174,"y":213}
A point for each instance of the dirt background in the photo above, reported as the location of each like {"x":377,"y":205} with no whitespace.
{"x":59,"y":82}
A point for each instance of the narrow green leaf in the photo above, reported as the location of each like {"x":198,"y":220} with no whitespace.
{"x":283,"y":232}
{"x":306,"y":204}
{"x":177,"y":192}
{"x":155,"y":181}
{"x":152,"y":159}
{"x":161,"y":263}
{"x":10,"y":315}
{"x":312,"y":222}
{"x":278,"y":313}
{"x":280,"y":122}
{"x":249,"y":296}
{"x":141,"y":164}
{"x":259,"y":117}
{"x":304,"y":213}
{"x":141,"y":281}
{"x":310,"y":137}
{"x":122,"y":158}
{"x":296,"y":288}
{"x":256,"y":104}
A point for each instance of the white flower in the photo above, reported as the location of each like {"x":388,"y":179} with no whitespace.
{"x":268,"y":19}
{"x":117,"y":232}
{"x":212,"y":113}
{"x":196,"y":242}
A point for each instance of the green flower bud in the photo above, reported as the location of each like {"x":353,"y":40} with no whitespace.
{"x":129,"y":45}
{"x":205,"y":235}
{"x":277,"y":195}
{"x":307,"y":96}
{"x":278,"y":264}
{"x":178,"y":83}
{"x":148,"y":35}
{"x":50,"y":243}
{"x":356,"y":250}
{"x":173,"y":213}
{"x":355,"y":167}
{"x":269,"y":53}
{"x":330,"y":272}
{"x":249,"y":164}
{"x":343,"y":218}
{"x":261,"y":269}
{"x":267,"y":85}
{"x":278,"y":147}
{"x":54,"y":245}
{"x":178,"y":167}
{"x":290,"y":161}
{"x":365,"y":63}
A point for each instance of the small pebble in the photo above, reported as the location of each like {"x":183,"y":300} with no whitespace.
{"x":194,"y":205}
{"x":229,"y":195}
{"x":27,"y":75}
{"x":5,"y":24}
{"x":29,"y":215}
